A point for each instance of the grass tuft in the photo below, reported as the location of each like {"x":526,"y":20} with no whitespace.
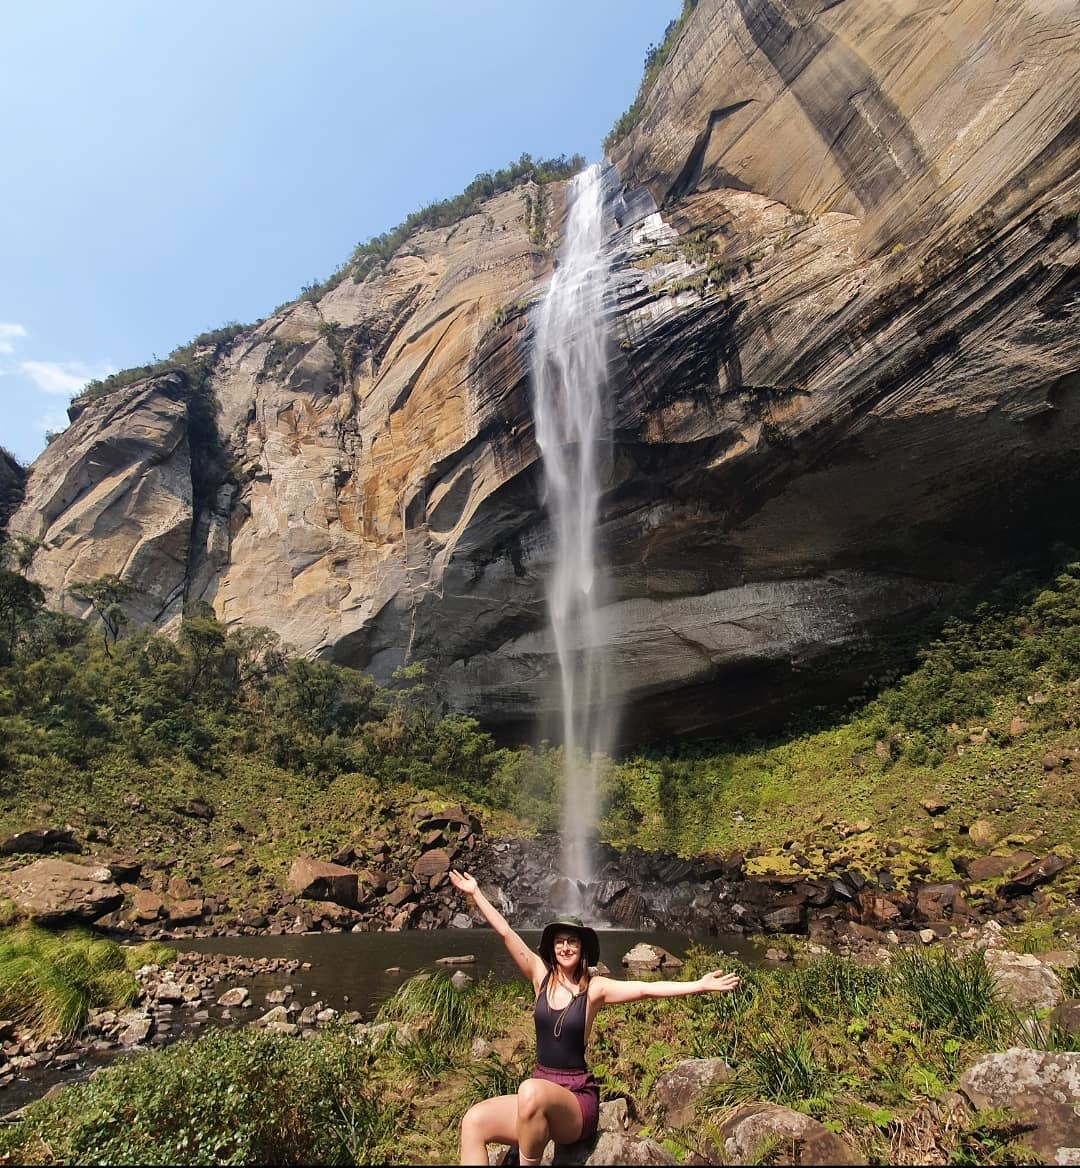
{"x":49,"y":982}
{"x":956,"y":994}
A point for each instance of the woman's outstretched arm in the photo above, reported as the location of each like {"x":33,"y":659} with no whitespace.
{"x":525,"y":959}
{"x":609,"y":992}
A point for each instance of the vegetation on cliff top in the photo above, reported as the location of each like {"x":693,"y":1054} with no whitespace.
{"x":197,"y":357}
{"x":655,"y":59}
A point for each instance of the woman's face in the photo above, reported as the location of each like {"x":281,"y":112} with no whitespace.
{"x":567,"y":951}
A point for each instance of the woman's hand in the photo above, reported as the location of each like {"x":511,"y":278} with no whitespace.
{"x":718,"y":982}
{"x":463,"y":882}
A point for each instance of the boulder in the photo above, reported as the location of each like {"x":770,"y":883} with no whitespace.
{"x":985,"y":867}
{"x":646,"y":958}
{"x":40,"y":839}
{"x":316,"y":880}
{"x":196,"y":809}
{"x":679,"y":1090}
{"x":786,"y":914}
{"x":180,"y":888}
{"x":51,"y":891}
{"x":1065,"y":1016}
{"x":804,"y":1141}
{"x":609,"y":1148}
{"x":146,"y":905}
{"x":124,"y":869}
{"x":1024,"y":981}
{"x":935,"y":902}
{"x":614,"y":1115}
{"x":1033,"y":874}
{"x":1041,"y":1087}
{"x":983,"y":834}
{"x":134,"y":1027}
{"x":185,"y":911}
{"x":236,"y":996}
{"x":435,"y":862}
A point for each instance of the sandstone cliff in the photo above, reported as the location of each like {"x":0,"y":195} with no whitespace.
{"x":844,"y":386}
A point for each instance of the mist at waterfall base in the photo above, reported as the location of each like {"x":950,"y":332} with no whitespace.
{"x":569,"y":384}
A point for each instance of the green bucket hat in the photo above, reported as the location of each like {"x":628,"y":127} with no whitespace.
{"x":590,"y":942}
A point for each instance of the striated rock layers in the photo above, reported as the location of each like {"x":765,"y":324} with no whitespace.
{"x":844,"y":387}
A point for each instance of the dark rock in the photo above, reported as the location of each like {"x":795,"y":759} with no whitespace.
{"x":787,"y":914}
{"x":432,"y":863}
{"x":196,"y":809}
{"x":935,"y":902}
{"x":401,"y":894}
{"x":1066,"y":1017}
{"x":628,"y":909}
{"x":980,"y":868}
{"x":605,"y":892}
{"x":40,"y":840}
{"x":1036,"y":873}
{"x":818,"y":893}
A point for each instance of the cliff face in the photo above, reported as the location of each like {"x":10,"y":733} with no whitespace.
{"x":844,"y":386}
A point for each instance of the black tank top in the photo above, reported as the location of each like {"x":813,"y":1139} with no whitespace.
{"x":560,"y":1034}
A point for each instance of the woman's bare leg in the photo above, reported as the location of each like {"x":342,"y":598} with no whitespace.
{"x":545,"y":1111}
{"x":492,"y":1122}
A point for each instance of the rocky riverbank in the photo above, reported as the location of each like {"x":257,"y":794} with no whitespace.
{"x":841,"y":884}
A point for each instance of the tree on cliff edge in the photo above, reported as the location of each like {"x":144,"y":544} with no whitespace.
{"x":106,"y":596}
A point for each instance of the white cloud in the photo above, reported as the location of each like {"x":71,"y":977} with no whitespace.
{"x":54,"y":421}
{"x":8,"y":332}
{"x":60,"y":377}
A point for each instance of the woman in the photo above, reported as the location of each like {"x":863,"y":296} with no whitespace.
{"x":562,"y":1100}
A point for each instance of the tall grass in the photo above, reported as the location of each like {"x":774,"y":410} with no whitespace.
{"x":430,"y":1003}
{"x":955,"y":994}
{"x":831,"y":986}
{"x":782,"y":1069}
{"x":49,"y":982}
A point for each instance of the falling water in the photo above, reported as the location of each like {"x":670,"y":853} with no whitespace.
{"x":569,"y":377}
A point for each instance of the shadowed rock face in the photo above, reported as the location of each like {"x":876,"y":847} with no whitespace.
{"x":12,"y":481}
{"x":844,"y":388}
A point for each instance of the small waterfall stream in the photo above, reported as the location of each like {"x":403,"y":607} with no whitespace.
{"x":569,"y":380}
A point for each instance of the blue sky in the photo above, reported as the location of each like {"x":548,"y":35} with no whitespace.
{"x":172,"y":165}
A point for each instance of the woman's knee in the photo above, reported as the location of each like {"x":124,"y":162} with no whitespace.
{"x":529,"y":1099}
{"x":472,"y":1121}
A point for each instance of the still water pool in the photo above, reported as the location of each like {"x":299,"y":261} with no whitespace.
{"x":352,"y":971}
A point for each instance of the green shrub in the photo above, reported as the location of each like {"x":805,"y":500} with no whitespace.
{"x":829,"y":986}
{"x":231,"y":1097}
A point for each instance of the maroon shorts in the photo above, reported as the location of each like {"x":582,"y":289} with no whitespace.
{"x":585,"y":1089}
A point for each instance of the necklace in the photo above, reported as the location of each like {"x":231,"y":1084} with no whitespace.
{"x":557,"y":1029}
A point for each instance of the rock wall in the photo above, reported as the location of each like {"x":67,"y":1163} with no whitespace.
{"x":843,"y":392}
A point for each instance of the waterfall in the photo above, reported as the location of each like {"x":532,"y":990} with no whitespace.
{"x":569,"y":380}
